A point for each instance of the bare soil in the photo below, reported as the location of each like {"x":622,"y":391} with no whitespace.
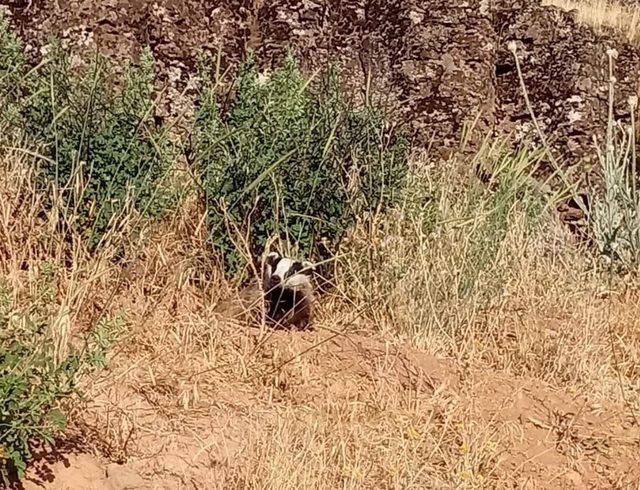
{"x":163,"y":424}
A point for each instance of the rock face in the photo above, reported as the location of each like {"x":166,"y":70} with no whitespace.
{"x":434,"y":58}
{"x":566,"y":71}
{"x":440,"y":64}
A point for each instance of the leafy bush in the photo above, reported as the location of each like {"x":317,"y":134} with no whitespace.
{"x":37,"y":374}
{"x":101,"y":146}
{"x":291,"y":162}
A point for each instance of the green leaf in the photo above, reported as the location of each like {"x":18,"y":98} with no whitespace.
{"x":57,"y":418}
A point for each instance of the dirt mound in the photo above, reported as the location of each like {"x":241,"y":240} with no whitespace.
{"x":442,"y":63}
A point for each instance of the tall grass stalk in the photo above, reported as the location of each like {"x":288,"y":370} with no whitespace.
{"x":429,"y":267}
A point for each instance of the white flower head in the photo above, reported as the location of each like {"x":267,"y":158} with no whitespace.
{"x":263,"y":77}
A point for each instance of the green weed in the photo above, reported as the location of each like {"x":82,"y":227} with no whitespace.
{"x":291,"y":161}
{"x":39,"y":371}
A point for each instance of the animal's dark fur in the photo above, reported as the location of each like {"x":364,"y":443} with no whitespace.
{"x":289,"y":308}
{"x":289,"y":299}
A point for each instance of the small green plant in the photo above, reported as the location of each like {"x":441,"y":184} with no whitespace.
{"x":100,"y":145}
{"x":615,"y":212}
{"x":290,"y":161}
{"x":614,"y":218}
{"x":36,"y":374}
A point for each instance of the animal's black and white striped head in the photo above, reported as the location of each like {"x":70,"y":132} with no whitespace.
{"x":288,"y":291}
{"x":285,"y":272}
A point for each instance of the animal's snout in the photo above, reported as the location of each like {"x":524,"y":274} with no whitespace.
{"x":276,"y":281}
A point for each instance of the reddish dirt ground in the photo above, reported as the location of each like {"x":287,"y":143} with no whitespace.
{"x":543,"y":438}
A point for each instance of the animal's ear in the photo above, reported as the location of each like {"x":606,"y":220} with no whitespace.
{"x":268,"y":264}
{"x":272,"y":258}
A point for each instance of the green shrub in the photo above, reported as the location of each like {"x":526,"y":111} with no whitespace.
{"x":289,"y":161}
{"x":101,"y":146}
{"x":36,"y":376}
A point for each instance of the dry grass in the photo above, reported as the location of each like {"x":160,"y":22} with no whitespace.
{"x":601,"y":13}
{"x":524,"y":388}
{"x":497,"y":282}
{"x":31,"y":240}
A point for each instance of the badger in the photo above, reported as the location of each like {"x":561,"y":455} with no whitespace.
{"x":288,"y":291}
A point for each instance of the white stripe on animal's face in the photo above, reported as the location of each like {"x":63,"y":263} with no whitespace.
{"x":283,"y":266}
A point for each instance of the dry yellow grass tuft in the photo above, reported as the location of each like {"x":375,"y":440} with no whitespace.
{"x":467,"y":344}
{"x":600,"y":13}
